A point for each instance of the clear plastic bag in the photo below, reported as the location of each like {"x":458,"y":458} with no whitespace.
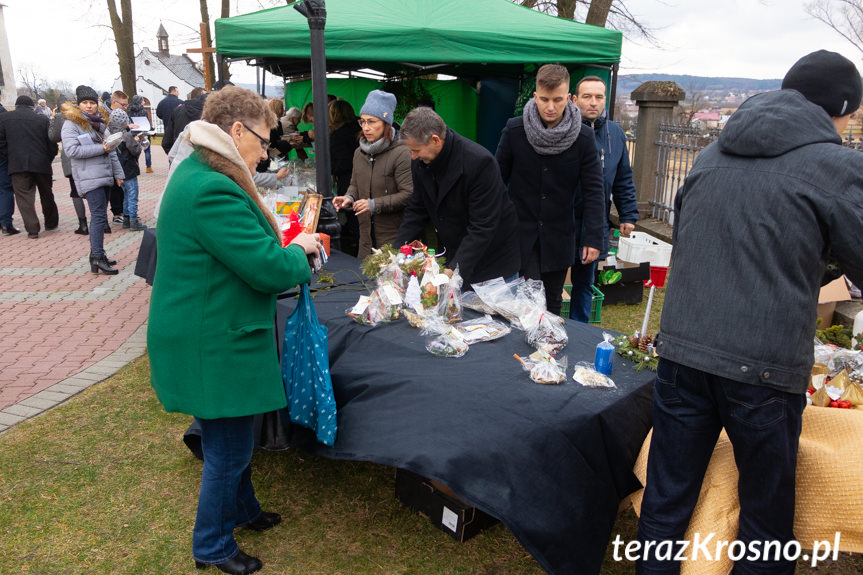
{"x":543,"y":368}
{"x":545,"y":331}
{"x":514,"y":300}
{"x":470,"y":300}
{"x":442,"y":339}
{"x":587,"y":376}
{"x":449,"y":305}
{"x":481,"y":329}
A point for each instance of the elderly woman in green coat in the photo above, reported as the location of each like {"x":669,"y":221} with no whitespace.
{"x":210,"y":335}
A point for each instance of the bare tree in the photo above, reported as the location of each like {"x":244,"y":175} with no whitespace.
{"x":597,"y":14}
{"x":32,"y":82}
{"x":844,"y":16}
{"x":122,"y":28}
{"x":695,"y":100}
{"x":612,"y":14}
{"x":226,"y":12}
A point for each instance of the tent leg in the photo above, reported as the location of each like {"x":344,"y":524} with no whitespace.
{"x":613,"y":95}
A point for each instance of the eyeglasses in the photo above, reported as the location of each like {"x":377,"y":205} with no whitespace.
{"x":123,"y":105}
{"x":265,"y":143}
{"x":363,"y":122}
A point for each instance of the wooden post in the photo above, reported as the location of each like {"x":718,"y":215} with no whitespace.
{"x":203,"y":50}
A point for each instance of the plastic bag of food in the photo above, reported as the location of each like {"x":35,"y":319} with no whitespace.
{"x":513,"y":300}
{"x":587,"y":376}
{"x":366,"y":311}
{"x":390,"y":300}
{"x":544,"y":330}
{"x":393,"y":274}
{"x":442,"y":339}
{"x":470,"y":300}
{"x":481,"y":329}
{"x":449,"y":305}
{"x":543,"y":368}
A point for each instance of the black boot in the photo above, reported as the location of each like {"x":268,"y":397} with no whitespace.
{"x":101,"y":263}
{"x":107,"y":228}
{"x":240,"y":564}
{"x":82,"y":227}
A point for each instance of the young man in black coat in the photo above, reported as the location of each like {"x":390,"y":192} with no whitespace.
{"x":29,"y":152}
{"x":457,"y":187}
{"x":544,"y":155}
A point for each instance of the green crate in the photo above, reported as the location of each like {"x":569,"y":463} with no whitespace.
{"x":595,"y":305}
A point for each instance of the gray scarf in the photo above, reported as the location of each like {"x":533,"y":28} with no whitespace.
{"x":549,"y":142}
{"x":378,"y":145}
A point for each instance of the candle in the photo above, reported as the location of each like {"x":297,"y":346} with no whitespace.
{"x":647,"y":312}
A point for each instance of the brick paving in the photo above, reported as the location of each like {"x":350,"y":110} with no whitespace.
{"x":63,"y":328}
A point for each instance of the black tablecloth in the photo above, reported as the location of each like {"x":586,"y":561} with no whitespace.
{"x":551,"y":462}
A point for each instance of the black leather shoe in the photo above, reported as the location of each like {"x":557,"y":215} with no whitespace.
{"x":110,"y":262}
{"x":10,"y":231}
{"x":266,"y":520}
{"x":51,"y":228}
{"x":107,"y":229}
{"x":239,"y":564}
{"x":33,"y":235}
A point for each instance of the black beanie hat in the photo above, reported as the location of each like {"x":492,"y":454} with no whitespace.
{"x":827,"y":79}
{"x":86,"y":93}
{"x":24,"y":101}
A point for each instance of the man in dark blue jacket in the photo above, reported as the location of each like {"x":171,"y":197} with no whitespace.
{"x":616,"y":180}
{"x":167,"y":104}
{"x":756,"y":221}
{"x":457,"y":188}
{"x":554,"y":177}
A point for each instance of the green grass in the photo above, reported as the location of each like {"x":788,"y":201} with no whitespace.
{"x":103,"y":484}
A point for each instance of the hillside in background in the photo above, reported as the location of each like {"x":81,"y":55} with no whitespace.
{"x":626,"y":83}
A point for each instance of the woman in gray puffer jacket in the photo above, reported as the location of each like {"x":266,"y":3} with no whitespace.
{"x":95,"y":167}
{"x":55,"y":135}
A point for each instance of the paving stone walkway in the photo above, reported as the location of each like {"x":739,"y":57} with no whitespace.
{"x":63,"y":328}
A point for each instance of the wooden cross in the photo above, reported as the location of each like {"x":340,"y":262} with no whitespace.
{"x":204,"y":49}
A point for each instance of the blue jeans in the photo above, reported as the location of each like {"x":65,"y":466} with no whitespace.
{"x":130,"y":197}
{"x":227,"y":499}
{"x":98,"y":201}
{"x":690,"y":407}
{"x":147,"y":159}
{"x":581,"y":297}
{"x":7,"y":195}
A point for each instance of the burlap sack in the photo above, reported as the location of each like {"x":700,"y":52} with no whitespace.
{"x":829,"y":472}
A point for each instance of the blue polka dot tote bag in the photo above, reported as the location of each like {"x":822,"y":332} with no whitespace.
{"x":306,"y":371}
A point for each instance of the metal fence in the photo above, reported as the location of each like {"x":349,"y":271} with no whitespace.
{"x":679,"y":145}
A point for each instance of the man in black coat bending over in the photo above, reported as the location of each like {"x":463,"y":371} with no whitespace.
{"x":457,"y":187}
{"x":544,"y":155}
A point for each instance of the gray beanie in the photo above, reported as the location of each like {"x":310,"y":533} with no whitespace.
{"x":827,"y":79}
{"x":118,"y":122}
{"x":84,"y":93}
{"x":381,"y":105}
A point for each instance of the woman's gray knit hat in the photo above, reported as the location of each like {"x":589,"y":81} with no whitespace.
{"x":381,"y":105}
{"x":84,"y":93}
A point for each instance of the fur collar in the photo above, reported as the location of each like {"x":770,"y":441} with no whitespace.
{"x":72,"y":113}
{"x":217,"y":150}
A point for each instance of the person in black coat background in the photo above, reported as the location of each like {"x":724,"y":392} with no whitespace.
{"x":458,"y":188}
{"x":29,"y":152}
{"x":544,"y":156}
{"x":182,"y":116}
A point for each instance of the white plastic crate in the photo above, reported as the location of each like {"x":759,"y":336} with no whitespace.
{"x":641,"y":247}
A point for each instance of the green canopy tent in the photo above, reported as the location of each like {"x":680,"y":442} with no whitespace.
{"x":477,"y":40}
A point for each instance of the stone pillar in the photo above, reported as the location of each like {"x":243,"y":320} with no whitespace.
{"x":655,"y":101}
{"x":7,"y":73}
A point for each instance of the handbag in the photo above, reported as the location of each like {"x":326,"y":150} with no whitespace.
{"x":306,"y":371}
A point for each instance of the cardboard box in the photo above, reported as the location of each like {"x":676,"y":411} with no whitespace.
{"x":630,"y":289}
{"x":438,"y":503}
{"x":837,"y":290}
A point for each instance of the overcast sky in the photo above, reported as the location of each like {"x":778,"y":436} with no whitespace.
{"x":70,"y":40}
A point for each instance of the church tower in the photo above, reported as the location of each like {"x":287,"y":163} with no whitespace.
{"x":162,"y":37}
